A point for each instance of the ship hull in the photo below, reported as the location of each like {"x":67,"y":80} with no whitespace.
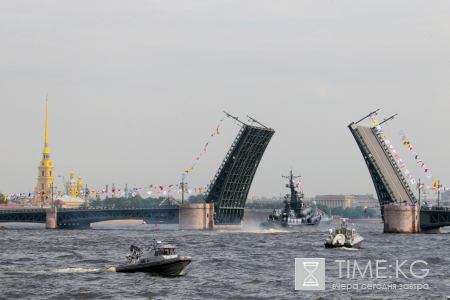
{"x":288,"y":226}
{"x":166,"y":267}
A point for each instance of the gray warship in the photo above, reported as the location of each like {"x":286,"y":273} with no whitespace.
{"x":294,"y":215}
{"x":159,"y":258}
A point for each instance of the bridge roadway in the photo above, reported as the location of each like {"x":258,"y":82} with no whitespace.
{"x":71,"y":218}
{"x":385,"y":165}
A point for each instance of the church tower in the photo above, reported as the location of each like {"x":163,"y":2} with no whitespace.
{"x":46,"y":168}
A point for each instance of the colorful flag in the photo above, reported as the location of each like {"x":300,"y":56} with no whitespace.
{"x":406,"y":142}
{"x":410,"y":147}
{"x":375,"y":122}
{"x":384,"y":136}
{"x":426,"y":170}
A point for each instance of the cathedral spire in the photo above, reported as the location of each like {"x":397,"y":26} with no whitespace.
{"x":46,"y":148}
{"x":46,"y":121}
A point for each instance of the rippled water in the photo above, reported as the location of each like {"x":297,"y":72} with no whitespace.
{"x":36,"y":263}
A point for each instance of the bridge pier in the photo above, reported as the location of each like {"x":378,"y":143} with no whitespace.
{"x":51,"y":221}
{"x":404,"y":219}
{"x":198,"y":216}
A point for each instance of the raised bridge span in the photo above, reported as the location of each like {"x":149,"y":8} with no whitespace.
{"x":391,"y":186}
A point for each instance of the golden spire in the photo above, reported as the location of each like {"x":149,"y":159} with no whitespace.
{"x":46,"y":121}
{"x":46,"y":149}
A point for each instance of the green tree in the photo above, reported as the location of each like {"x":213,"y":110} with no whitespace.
{"x":337,"y":211}
{"x":196,"y":198}
{"x":324,"y":208}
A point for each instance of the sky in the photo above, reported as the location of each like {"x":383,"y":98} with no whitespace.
{"x":135,"y":88}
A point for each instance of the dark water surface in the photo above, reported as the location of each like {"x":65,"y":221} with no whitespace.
{"x":36,"y":263}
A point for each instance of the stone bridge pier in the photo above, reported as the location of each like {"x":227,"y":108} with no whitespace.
{"x":51,"y":218}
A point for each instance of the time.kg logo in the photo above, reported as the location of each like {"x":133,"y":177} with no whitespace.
{"x":310,"y":274}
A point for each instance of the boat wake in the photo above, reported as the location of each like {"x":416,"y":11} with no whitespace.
{"x":70,"y":270}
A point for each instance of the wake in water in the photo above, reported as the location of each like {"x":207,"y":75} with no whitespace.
{"x":69,"y":270}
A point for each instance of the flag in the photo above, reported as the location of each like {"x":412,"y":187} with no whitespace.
{"x":408,"y":177}
{"x":393,"y":151}
{"x":426,"y":170}
{"x":413,"y":181}
{"x":401,"y":132}
{"x":397,"y":156}
{"x":400,"y":162}
{"x":406,"y":172}
{"x":403,"y":138}
{"x":391,"y":147}
{"x":406,"y":142}
{"x":433,"y":178}
{"x":378,"y":127}
{"x":428,"y":175}
{"x":385,"y":136}
{"x":387,"y":142}
{"x":404,"y":166}
{"x":419,"y":161}
{"x":414,"y":152}
{"x":372,"y":117}
{"x":161,"y":187}
{"x":375,"y":122}
{"x":436,"y":184}
{"x":410,"y":147}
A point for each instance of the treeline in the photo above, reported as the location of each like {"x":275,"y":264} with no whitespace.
{"x":354,"y":212}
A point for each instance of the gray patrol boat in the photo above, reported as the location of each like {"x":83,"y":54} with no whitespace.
{"x":159,"y":258}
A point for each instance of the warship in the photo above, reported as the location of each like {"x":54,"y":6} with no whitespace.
{"x":294,"y":215}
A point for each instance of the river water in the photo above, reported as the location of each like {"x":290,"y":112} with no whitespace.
{"x":36,"y":263}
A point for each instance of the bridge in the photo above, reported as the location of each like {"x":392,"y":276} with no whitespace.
{"x":393,"y":191}
{"x":83,"y":218}
{"x":229,"y":188}
{"x":224,"y":200}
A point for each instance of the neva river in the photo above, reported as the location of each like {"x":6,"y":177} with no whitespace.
{"x":250,"y":264}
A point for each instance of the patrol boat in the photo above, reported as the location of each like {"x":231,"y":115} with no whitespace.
{"x":344,"y":237}
{"x":159,"y":258}
{"x":294,"y":214}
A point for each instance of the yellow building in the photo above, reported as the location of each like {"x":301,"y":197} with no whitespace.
{"x":46,"y":172}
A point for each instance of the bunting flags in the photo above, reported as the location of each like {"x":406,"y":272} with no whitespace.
{"x":204,"y":150}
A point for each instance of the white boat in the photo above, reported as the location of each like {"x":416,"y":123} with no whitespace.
{"x":344,"y":237}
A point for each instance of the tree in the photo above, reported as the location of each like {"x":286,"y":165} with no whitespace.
{"x":196,"y":198}
{"x":338,"y":211}
{"x":324,"y":208}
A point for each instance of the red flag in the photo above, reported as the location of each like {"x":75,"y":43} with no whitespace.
{"x":426,"y":170}
{"x":161,"y":187}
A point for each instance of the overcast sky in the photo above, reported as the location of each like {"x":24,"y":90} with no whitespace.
{"x":137,"y":87}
